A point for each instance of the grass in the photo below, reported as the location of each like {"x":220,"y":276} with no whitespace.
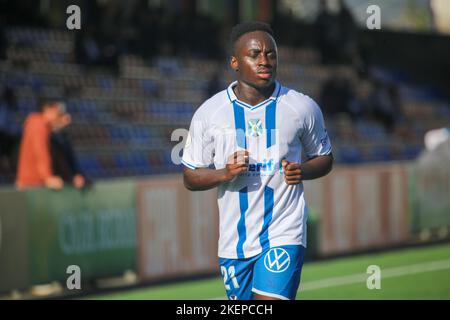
{"x":405,"y":274}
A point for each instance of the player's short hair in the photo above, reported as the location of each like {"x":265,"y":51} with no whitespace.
{"x":245,"y":27}
{"x":45,"y":102}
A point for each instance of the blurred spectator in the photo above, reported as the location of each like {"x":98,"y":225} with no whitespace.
{"x":360,"y":103}
{"x":386,"y":105}
{"x":336,"y":34}
{"x":335,"y":95}
{"x":327,"y":34}
{"x":363,"y":58}
{"x":35,"y":164}
{"x":149,"y":28}
{"x":348,"y":33}
{"x":9,"y":131}
{"x":95,"y":49}
{"x":214,"y":85}
{"x":64,"y":163}
{"x":87,"y":49}
{"x":284,"y":23}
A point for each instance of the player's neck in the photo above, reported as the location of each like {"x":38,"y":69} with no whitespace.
{"x":252,"y":95}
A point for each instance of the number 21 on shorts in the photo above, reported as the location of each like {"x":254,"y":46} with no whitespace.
{"x":229,"y":273}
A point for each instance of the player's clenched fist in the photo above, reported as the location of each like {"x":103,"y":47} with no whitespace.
{"x":292,"y":172}
{"x":237,"y":163}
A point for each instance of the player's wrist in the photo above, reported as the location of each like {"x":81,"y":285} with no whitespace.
{"x":225,"y":175}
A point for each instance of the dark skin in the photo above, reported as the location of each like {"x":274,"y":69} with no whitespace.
{"x":255,"y":61}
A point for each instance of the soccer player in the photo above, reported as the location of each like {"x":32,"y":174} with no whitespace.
{"x":248,"y":140}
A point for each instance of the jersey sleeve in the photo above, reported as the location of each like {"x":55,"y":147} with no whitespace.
{"x":199,"y":148}
{"x":314,"y":137}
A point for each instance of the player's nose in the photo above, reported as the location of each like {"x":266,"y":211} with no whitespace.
{"x":264,"y":61}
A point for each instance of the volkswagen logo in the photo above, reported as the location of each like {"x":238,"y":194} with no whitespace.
{"x":277,"y":260}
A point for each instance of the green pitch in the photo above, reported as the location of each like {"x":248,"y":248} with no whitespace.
{"x":417,"y":273}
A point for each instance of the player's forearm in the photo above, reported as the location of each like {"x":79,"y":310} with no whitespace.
{"x":317,"y":167}
{"x":203,"y":178}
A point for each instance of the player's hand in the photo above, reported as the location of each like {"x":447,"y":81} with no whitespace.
{"x":292,"y":172}
{"x":237,"y":163}
{"x":54,"y":182}
{"x":78,"y":181}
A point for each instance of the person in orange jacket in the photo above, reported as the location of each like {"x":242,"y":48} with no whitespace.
{"x":35,"y":164}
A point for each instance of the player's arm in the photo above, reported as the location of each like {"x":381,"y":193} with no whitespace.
{"x":317,"y":167}
{"x":204,"y":178}
{"x":314,"y":168}
{"x":317,"y":147}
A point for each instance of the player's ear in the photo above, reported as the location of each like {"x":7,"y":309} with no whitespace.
{"x":234,"y":63}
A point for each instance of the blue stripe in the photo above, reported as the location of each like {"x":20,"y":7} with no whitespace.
{"x":228,"y":94}
{"x":270,"y":123}
{"x":239,"y":123}
{"x":242,"y":233}
{"x":190,"y":166}
{"x":268,"y":212}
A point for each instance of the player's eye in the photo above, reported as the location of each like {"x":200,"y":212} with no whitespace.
{"x":254,"y":53}
{"x":272,"y":55}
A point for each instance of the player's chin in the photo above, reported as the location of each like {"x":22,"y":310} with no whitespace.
{"x":262,"y":83}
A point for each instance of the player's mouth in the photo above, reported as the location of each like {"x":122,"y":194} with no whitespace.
{"x":266,"y":74}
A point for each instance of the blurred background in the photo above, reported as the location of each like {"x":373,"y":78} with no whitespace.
{"x":138,"y":69}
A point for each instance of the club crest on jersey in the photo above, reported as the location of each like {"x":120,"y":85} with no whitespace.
{"x":255,"y":128}
{"x":277,"y":260}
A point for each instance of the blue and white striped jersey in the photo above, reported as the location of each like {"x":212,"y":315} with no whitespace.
{"x":257,"y":209}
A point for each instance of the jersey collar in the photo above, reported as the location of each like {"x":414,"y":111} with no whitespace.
{"x":233,"y":98}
